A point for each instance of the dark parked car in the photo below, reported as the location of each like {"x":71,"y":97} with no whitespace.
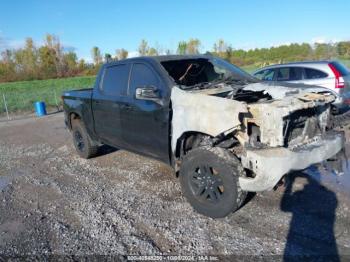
{"x":225,"y":131}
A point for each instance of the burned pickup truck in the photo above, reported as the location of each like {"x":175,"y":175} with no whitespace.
{"x":224,"y":132}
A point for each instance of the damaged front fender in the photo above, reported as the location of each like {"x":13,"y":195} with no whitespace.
{"x":203,"y":113}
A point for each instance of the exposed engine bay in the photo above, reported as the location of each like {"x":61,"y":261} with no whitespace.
{"x":272,"y":115}
{"x":273,"y":129}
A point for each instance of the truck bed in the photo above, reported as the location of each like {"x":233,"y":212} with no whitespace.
{"x":76,"y":94}
{"x":78,"y":101}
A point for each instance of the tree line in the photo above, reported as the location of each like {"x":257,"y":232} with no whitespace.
{"x":283,"y":53}
{"x":51,"y":60}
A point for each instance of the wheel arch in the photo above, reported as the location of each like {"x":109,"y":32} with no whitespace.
{"x":72,"y":116}
{"x":189,"y":140}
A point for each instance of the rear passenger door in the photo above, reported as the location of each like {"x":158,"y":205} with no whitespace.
{"x":109,"y":99}
{"x":145,"y":124}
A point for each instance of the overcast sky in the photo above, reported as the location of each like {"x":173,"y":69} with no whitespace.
{"x":122,"y":24}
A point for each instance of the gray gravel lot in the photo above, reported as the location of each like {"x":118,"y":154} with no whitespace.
{"x":53,"y":202}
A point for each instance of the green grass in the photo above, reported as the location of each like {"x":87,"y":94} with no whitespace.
{"x":250,"y":68}
{"x":20,"y":96}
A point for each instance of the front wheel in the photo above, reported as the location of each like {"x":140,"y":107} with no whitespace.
{"x":209,"y":181}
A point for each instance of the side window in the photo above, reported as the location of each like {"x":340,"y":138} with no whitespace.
{"x":283,"y":74}
{"x":115,"y":80}
{"x":142,"y":76}
{"x":289,"y":74}
{"x":314,"y":74}
{"x":266,"y":75}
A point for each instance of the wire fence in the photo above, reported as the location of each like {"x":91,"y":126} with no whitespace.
{"x":14,"y":105}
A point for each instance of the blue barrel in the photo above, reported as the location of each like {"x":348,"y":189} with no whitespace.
{"x":40,"y":108}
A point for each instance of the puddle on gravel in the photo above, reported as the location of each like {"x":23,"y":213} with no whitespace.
{"x":6,"y":180}
{"x":334,"y":173}
{"x":337,"y":182}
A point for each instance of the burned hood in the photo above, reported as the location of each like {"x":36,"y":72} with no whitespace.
{"x":279,"y":90}
{"x":218,"y":110}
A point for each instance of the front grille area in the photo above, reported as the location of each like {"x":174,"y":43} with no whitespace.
{"x":301,"y":126}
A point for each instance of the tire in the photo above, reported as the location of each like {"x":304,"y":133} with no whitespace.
{"x":209,"y":181}
{"x":82,"y":142}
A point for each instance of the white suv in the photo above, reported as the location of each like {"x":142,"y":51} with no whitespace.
{"x":329,"y":74}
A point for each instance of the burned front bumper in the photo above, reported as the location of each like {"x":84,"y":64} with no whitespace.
{"x":270,"y":165}
{"x":342,"y":103}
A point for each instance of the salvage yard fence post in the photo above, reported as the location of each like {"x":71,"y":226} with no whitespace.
{"x":55,"y":95}
{"x":5,"y":104}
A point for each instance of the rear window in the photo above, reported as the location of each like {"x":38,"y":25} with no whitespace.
{"x":343,"y":70}
{"x":314,"y":74}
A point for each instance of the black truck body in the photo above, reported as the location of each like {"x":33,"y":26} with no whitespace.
{"x":145,"y":123}
{"x":226,"y":132}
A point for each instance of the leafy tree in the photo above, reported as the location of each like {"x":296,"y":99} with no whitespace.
{"x":70,"y":63}
{"x":96,"y":55}
{"x":121,"y":54}
{"x":48,"y":62}
{"x":182,"y":48}
{"x":324,"y":51}
{"x":7,"y":66}
{"x":220,"y":46}
{"x":343,"y":49}
{"x":26,"y":60}
{"x":108,"y":57}
{"x":222,"y":49}
{"x":143,"y":48}
{"x":53,"y":43}
{"x":30,"y":58}
{"x":193,"y":46}
{"x":152,"y":51}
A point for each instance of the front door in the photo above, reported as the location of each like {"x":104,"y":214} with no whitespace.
{"x":145,"y":124}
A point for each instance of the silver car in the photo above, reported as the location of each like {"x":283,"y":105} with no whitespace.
{"x":329,"y":74}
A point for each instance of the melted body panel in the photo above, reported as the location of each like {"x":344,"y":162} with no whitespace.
{"x":203,"y":113}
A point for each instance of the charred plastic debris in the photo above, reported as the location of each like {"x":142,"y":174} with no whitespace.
{"x":271,"y":129}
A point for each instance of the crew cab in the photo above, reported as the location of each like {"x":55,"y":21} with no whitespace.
{"x":224,"y":132}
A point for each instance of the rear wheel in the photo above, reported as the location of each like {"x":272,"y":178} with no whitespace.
{"x":209,"y":180}
{"x":82,"y":142}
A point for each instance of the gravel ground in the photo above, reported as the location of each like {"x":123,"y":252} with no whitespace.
{"x":53,"y":202}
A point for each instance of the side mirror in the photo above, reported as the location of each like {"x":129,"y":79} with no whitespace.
{"x":148,"y":93}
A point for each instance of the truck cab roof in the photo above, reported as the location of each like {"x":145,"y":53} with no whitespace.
{"x":160,"y":58}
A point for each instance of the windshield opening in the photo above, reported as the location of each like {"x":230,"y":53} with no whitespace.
{"x":201,"y":71}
